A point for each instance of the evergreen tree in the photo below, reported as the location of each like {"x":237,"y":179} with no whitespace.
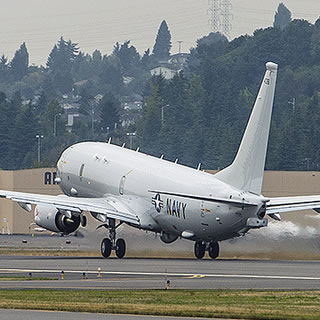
{"x":145,"y":60}
{"x":3,"y":69}
{"x":20,"y":62}
{"x":282,"y":17}
{"x":62,"y":56}
{"x":109,"y":107}
{"x":110,"y":75}
{"x":149,"y":127}
{"x":128,"y":56}
{"x":4,"y":130}
{"x":315,"y":42}
{"x":162,"y":46}
{"x":22,"y":139}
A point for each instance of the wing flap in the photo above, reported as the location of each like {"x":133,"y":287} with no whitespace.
{"x":109,"y":206}
{"x":287,"y":204}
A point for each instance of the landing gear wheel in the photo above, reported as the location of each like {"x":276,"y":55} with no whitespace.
{"x":199,"y":249}
{"x":106,"y":246}
{"x":120,"y":248}
{"x":213,"y":250}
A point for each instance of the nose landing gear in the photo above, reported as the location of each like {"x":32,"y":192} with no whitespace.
{"x":109,"y":244}
{"x":201,"y":247}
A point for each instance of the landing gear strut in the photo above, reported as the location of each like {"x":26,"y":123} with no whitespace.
{"x":109,"y":244}
{"x":201,"y":247}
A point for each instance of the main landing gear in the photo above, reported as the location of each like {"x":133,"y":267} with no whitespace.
{"x":109,"y":244}
{"x":201,"y":247}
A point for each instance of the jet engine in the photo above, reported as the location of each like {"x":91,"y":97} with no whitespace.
{"x":50,"y":218}
{"x":168,"y":237}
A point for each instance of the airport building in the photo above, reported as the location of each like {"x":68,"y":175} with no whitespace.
{"x":13,"y":219}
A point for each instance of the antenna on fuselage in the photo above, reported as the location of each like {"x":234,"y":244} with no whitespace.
{"x":123,"y":145}
{"x":176,"y":161}
{"x":199,"y":166}
{"x":109,"y":141}
{"x":138,"y":149}
{"x":161,"y":157}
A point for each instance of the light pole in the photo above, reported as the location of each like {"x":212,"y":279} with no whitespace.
{"x":162,"y":114}
{"x":131,"y":135}
{"x":55,"y":124}
{"x":293,"y":102}
{"x":39,"y":137}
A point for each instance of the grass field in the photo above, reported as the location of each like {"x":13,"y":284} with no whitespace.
{"x":200,"y":303}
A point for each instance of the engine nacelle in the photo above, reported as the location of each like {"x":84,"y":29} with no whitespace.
{"x":168,"y":237}
{"x":50,"y":218}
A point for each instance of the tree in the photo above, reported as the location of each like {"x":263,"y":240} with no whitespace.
{"x":146,"y":59}
{"x":315,"y":42}
{"x":23,"y":139}
{"x":282,"y":17}
{"x":59,"y":64}
{"x":109,"y":107}
{"x":62,"y":55}
{"x":149,"y":126}
{"x":3,"y":69}
{"x":20,"y":62}
{"x":4,"y":130}
{"x":128,"y":56}
{"x":162,"y":46}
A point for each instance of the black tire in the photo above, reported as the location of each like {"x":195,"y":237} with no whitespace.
{"x":213,"y":250}
{"x":199,"y":249}
{"x":106,"y":247}
{"x":120,"y":248}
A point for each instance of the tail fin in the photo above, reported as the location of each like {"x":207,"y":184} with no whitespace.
{"x":246,"y":170}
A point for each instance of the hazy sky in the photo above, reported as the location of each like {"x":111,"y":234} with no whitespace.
{"x":98,"y":24}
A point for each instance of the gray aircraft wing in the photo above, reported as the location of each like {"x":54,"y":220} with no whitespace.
{"x":275,"y":206}
{"x":100,"y":208}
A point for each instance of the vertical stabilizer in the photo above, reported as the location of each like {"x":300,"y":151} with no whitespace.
{"x":246,"y":170}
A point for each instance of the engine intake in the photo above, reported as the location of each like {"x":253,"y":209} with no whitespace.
{"x":50,"y":218}
{"x":168,"y":237}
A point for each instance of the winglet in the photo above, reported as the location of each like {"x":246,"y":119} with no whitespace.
{"x":246,"y":171}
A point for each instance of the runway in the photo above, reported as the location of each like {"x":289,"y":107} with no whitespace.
{"x":129,"y":273}
{"x":48,"y":315}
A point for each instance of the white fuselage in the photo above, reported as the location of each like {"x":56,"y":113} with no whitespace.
{"x":93,"y":169}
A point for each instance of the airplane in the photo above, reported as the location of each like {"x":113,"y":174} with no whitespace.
{"x":118,"y":185}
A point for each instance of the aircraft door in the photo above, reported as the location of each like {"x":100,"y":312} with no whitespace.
{"x":204,"y":217}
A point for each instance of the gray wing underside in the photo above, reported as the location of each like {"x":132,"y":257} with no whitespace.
{"x":100,"y":208}
{"x":287,"y":204}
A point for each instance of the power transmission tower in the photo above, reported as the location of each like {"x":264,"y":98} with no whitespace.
{"x":226,"y":17}
{"x":214,"y":12}
{"x":220,"y":16}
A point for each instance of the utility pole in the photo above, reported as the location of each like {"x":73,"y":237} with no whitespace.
{"x":180,"y":45}
{"x":55,"y":124}
{"x":162,"y":114}
{"x":293,"y":102}
{"x":39,"y":137}
{"x":131,"y":135}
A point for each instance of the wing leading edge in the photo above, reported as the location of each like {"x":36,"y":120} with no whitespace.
{"x":109,"y":207}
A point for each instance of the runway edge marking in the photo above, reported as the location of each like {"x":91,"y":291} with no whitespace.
{"x":275,"y":277}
